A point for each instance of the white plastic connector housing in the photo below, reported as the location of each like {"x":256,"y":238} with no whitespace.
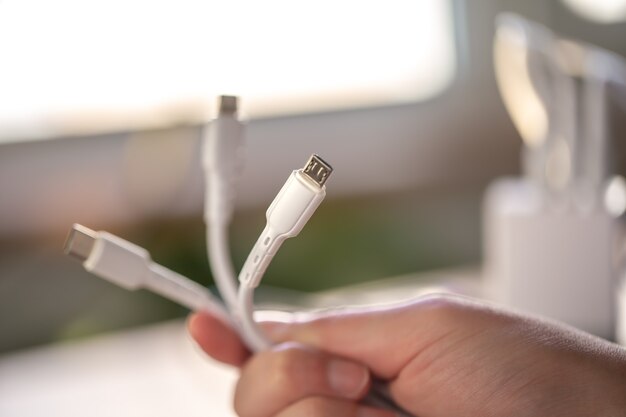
{"x":222,"y":161}
{"x":118,"y":261}
{"x":294,"y":205}
{"x":289,"y":212}
{"x":129,"y":266}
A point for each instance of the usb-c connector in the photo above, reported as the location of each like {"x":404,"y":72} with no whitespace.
{"x":228,"y":105}
{"x":130,"y":267}
{"x":79,"y":242}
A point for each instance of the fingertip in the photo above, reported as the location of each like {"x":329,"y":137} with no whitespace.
{"x":216,"y":338}
{"x":192,"y":324}
{"x":348,"y":379}
{"x":200,"y":323}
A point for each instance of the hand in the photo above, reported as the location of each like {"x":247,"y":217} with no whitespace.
{"x":443,"y":356}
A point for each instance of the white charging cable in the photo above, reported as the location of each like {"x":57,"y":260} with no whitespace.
{"x":291,"y":209}
{"x":222,"y":163}
{"x":129,"y":266}
{"x":289,"y":212}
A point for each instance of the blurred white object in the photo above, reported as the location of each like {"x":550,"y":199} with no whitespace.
{"x":153,"y":372}
{"x":556,"y":92}
{"x":550,"y":237}
{"x":600,"y":11}
{"x":513,"y":59}
{"x":284,"y":57}
{"x":554,"y":263}
{"x":615,"y":196}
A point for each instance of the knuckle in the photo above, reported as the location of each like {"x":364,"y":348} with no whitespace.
{"x":449,"y":311}
{"x":442,"y":306}
{"x":325,"y":328}
{"x":286,"y":357}
{"x":287,"y":373}
{"x":287,"y":363}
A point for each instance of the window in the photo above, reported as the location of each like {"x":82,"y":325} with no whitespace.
{"x":79,"y":66}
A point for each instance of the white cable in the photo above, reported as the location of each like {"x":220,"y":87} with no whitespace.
{"x":289,"y":212}
{"x":221,"y":161}
{"x":255,"y":337}
{"x":221,"y":265}
{"x":129,"y":266}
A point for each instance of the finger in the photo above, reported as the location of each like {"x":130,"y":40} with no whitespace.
{"x":324,"y":407}
{"x":217,"y":339}
{"x":400,"y":331}
{"x":274,"y":379}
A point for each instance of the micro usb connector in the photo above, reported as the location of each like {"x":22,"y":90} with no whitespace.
{"x":291,"y":209}
{"x":317,"y":170}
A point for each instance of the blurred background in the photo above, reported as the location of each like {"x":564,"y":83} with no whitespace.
{"x":102,"y":106}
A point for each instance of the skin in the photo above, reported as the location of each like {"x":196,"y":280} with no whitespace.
{"x":441,"y":356}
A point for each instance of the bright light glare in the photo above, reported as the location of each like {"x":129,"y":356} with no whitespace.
{"x":526,"y":108}
{"x":615,"y":196}
{"x":84,"y":65}
{"x":601,"y":11}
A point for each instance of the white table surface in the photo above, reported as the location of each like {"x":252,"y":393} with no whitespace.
{"x":151,"y":371}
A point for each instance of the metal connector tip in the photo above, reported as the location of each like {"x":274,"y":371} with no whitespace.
{"x":227,"y":105}
{"x":317,"y":170}
{"x":80,"y":242}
